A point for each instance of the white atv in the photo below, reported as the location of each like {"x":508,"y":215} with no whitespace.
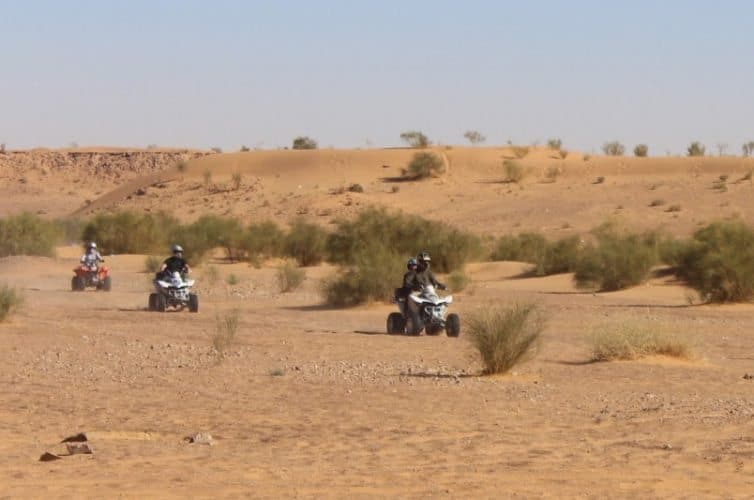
{"x":424,"y":310}
{"x":172,"y":290}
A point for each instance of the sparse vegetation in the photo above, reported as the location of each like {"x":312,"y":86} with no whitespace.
{"x":520,"y":151}
{"x":631,"y":339}
{"x":10,"y":301}
{"x":307,"y":243}
{"x":458,"y":280}
{"x":552,"y":173}
{"x":722,"y":148}
{"x":263,"y":240}
{"x":506,"y":336}
{"x":304,"y":142}
{"x":424,"y":165}
{"x":152,"y":264}
{"x":618,"y":261}
{"x":599,"y":180}
{"x":658,"y":202}
{"x":547,"y":257}
{"x":181,"y":166}
{"x":217,"y":150}
{"x":28,"y":234}
{"x":696,"y":148}
{"x":370,"y":276}
{"x":226,"y":329}
{"x":237,"y":180}
{"x":245,"y":149}
{"x":673,"y":208}
{"x":232,"y":279}
{"x":613,"y":148}
{"x":718,"y":262}
{"x":474,"y":137}
{"x":514,"y":171}
{"x":277,"y":372}
{"x":290,"y":277}
{"x":748,"y":149}
{"x":555,"y":144}
{"x":211,"y":275}
{"x":207,"y":177}
{"x":641,"y":150}
{"x":415,"y":139}
{"x":587,"y":157}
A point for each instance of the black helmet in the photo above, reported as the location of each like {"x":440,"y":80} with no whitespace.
{"x":423,"y":257}
{"x":412,"y":262}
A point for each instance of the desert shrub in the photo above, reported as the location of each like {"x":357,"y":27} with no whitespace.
{"x":424,"y":165}
{"x":630,"y":339}
{"x":355,"y":188}
{"x":217,"y":150}
{"x":613,"y":148}
{"x":514,"y":171}
{"x":237,"y":179}
{"x":506,"y":336}
{"x":10,"y":301}
{"x":415,"y":139}
{"x":552,"y":173}
{"x":211,"y":275}
{"x":401,"y":234}
{"x":373,"y":275}
{"x":226,"y":329}
{"x":718,"y":262}
{"x":263,"y":240}
{"x":207,"y":177}
{"x":28,"y":234}
{"x":208,"y":232}
{"x":547,"y":257}
{"x":181,"y":166}
{"x":587,"y":157}
{"x":696,"y":148}
{"x":129,"y":232}
{"x":474,"y":137}
{"x":641,"y":150}
{"x":657,"y":202}
{"x":244,"y":149}
{"x":304,"y":142}
{"x":556,"y":144}
{"x":458,"y":280}
{"x":152,"y":264}
{"x":232,"y":279}
{"x":307,"y":243}
{"x":748,"y":148}
{"x":290,"y":277}
{"x":563,"y":153}
{"x":618,"y":261}
{"x":520,"y":151}
{"x":71,"y":229}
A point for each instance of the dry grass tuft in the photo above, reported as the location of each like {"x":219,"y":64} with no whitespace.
{"x":10,"y":301}
{"x":290,"y":277}
{"x":506,"y":336}
{"x":226,"y":328}
{"x":631,"y":339}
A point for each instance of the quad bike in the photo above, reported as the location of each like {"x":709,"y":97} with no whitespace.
{"x":91,"y":276}
{"x":173,"y":291}
{"x":424,"y":310}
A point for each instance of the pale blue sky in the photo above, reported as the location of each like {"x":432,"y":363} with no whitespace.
{"x":226,"y":73}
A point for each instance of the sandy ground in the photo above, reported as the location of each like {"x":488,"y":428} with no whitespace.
{"x":316,"y":402}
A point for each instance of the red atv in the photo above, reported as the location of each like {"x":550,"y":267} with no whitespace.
{"x":91,"y":276}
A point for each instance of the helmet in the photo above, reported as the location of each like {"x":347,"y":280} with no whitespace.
{"x":177,"y":249}
{"x":91,"y":245}
{"x":412,"y":262}
{"x":423,"y":257}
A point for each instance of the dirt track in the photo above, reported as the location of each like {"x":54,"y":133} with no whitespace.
{"x":357,"y":412}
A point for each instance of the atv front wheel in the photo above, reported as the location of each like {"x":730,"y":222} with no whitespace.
{"x":453,"y":325}
{"x":193,"y":303}
{"x":433,"y":330}
{"x":152,"y":301}
{"x":80,"y":283}
{"x":395,"y":323}
{"x":160,"y":303}
{"x":74,"y":284}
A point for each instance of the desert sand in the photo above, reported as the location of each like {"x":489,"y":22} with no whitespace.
{"x":318,"y":402}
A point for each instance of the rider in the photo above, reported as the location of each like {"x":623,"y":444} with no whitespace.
{"x":92,"y":257}
{"x":176,"y":263}
{"x":424,"y":275}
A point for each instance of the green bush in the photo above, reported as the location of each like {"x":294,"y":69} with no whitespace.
{"x":304,"y":142}
{"x":28,"y":234}
{"x":618,"y":261}
{"x":613,"y":148}
{"x":401,"y":234}
{"x":206,"y":233}
{"x":474,"y":137}
{"x":506,"y":336}
{"x":372,"y":276}
{"x":547,"y":257}
{"x":424,"y":165}
{"x":718,"y":262}
{"x":263,"y":240}
{"x":696,"y":148}
{"x":290,"y":277}
{"x":641,"y":150}
{"x":415,"y":139}
{"x":555,"y":144}
{"x":307,"y":243}
{"x":10,"y":301}
{"x":129,"y":232}
{"x":628,"y":340}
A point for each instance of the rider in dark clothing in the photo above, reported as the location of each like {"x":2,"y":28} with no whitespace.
{"x":176,"y":263}
{"x":424,"y":275}
{"x":410,"y":279}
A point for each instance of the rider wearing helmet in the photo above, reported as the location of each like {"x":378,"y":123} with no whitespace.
{"x":424,"y":274}
{"x":410,"y":281}
{"x":92,"y":257}
{"x":176,"y":263}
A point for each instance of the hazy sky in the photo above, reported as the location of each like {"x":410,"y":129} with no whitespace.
{"x":351,"y":73}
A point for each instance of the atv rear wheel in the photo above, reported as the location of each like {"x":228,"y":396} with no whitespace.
{"x":453,"y":325}
{"x":152,"y":301}
{"x":74,"y":284}
{"x":395,"y":323}
{"x":193,"y":303}
{"x":80,"y":283}
{"x":107,"y":284}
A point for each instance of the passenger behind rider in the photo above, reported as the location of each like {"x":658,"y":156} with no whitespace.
{"x":175,"y":263}
{"x":92,"y":257}
{"x":424,"y":275}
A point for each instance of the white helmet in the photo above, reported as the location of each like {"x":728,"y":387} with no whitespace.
{"x":177,"y":248}
{"x":92,"y":245}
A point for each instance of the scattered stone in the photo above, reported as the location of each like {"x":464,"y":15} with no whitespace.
{"x":49,"y":457}
{"x":200,"y":438}
{"x":141,"y":192}
{"x":356,"y":188}
{"x":748,"y":376}
{"x":79,"y":449}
